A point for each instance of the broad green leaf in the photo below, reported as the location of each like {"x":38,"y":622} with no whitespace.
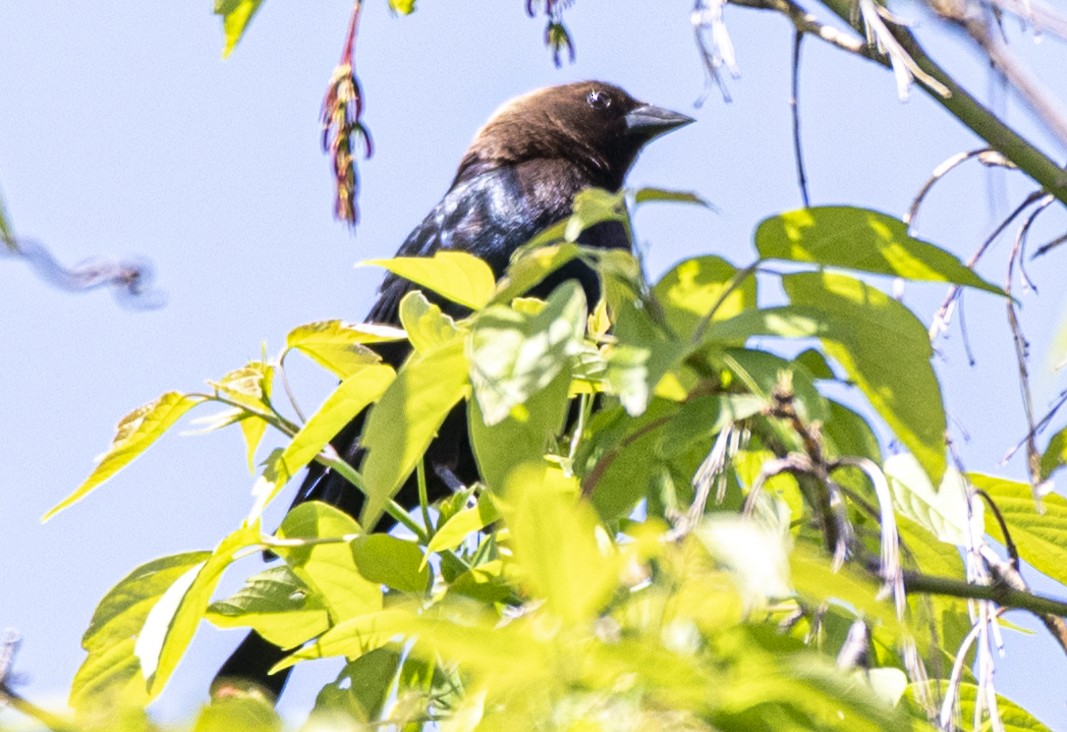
{"x":111,"y":671}
{"x":594,"y":206}
{"x":346,"y":401}
{"x":134,"y":434}
{"x":277,"y":605}
{"x":764,"y":374}
{"x":354,"y":636}
{"x":452,"y":533}
{"x":1013,"y":718}
{"x":635,"y":371}
{"x":359,"y":692}
{"x":341,"y":347}
{"x":530,"y":266}
{"x":405,"y":420}
{"x":391,"y":561}
{"x":692,"y":288}
{"x":1055,"y":455}
{"x":514,"y":354}
{"x":643,"y":195}
{"x":457,"y":276}
{"x":942,"y":512}
{"x":328,"y":568}
{"x":427,"y":327}
{"x":617,"y":459}
{"x":524,"y":435}
{"x":860,"y":239}
{"x":172,"y":621}
{"x":849,"y":434}
{"x":703,"y":417}
{"x":947,"y":616}
{"x":1040,"y":537}
{"x":814,"y":580}
{"x":554,"y":540}
{"x":886,"y":351}
{"x":236,"y":15}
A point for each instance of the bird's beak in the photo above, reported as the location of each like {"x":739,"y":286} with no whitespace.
{"x":648,"y":121}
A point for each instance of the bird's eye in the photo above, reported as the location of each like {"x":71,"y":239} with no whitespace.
{"x":598,"y":100}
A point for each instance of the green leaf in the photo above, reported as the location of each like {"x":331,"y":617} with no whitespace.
{"x":111,"y":671}
{"x":464,"y":523}
{"x":172,"y":621}
{"x":886,"y":351}
{"x":1040,"y":536}
{"x":133,"y":435}
{"x":849,"y":434}
{"x":427,"y":327}
{"x":354,"y":636}
{"x":1013,"y":718}
{"x":346,"y":401}
{"x":404,"y":7}
{"x":530,"y":265}
{"x":359,"y":692}
{"x":634,"y":372}
{"x":249,"y":386}
{"x":643,"y":195}
{"x":764,"y":373}
{"x":457,"y":276}
{"x":703,"y":417}
{"x":340,"y":347}
{"x":515,"y":354}
{"x":526,"y":434}
{"x":688,"y":292}
{"x":236,"y":15}
{"x":328,"y":568}
{"x":405,"y":420}
{"x":554,"y":540}
{"x":594,"y":206}
{"x":391,"y":561}
{"x":1055,"y":455}
{"x":860,"y":239}
{"x":277,"y":605}
{"x":942,"y":512}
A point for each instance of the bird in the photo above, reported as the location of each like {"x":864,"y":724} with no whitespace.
{"x":518,"y":177}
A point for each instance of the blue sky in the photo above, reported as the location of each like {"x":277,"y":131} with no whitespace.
{"x":122,"y":132}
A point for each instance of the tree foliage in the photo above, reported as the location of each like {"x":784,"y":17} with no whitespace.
{"x":687,"y":519}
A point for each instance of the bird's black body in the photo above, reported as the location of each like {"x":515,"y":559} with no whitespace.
{"x":518,"y":177}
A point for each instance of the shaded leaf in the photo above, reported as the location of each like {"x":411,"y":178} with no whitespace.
{"x":277,"y":605}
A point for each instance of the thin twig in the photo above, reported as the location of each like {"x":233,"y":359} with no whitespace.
{"x":794,"y":104}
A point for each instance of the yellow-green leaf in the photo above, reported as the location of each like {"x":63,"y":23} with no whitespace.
{"x":277,"y":604}
{"x":864,"y":240}
{"x":405,"y":420}
{"x":427,"y":327}
{"x":457,"y":276}
{"x":134,"y":434}
{"x":339,"y":346}
{"x":236,"y":15}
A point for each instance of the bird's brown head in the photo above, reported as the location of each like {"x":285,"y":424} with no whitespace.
{"x":594,"y":125}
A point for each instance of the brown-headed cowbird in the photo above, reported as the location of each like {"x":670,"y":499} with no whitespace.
{"x":518,"y":177}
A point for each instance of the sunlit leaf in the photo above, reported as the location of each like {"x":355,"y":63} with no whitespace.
{"x":134,"y":434}
{"x":339,"y":346}
{"x":112,"y":670}
{"x":1040,"y":536}
{"x":406,"y":418}
{"x":427,"y":327}
{"x":236,"y":15}
{"x":690,"y":290}
{"x":451,"y":533}
{"x":863,"y":240}
{"x":514,"y":355}
{"x":277,"y":605}
{"x":457,"y":276}
{"x":886,"y":351}
{"x":328,"y":568}
{"x":391,"y":561}
{"x":346,"y":401}
{"x":172,"y":621}
{"x":530,"y":266}
{"x":643,"y":195}
{"x":554,"y":541}
{"x":942,"y":512}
